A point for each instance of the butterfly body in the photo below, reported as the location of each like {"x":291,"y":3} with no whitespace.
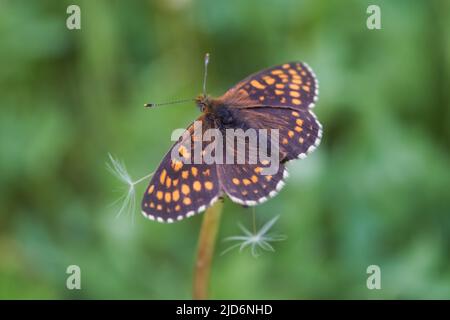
{"x":279,"y":98}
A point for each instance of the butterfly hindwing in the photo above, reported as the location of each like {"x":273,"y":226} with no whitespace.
{"x":300,"y":132}
{"x":179,"y":189}
{"x":254,"y":175}
{"x":288,"y":85}
{"x":246,"y":184}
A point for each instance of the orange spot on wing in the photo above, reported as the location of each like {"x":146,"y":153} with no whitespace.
{"x":209,"y":185}
{"x":168,"y":182}
{"x":187,"y":201}
{"x":150,"y":189}
{"x":246,"y":182}
{"x":168,"y":197}
{"x":185,"y":174}
{"x":306,"y":88}
{"x":269,"y":80}
{"x":243,"y":92}
{"x":194,"y":171}
{"x":185,"y":189}
{"x":294,"y":86}
{"x":294,"y":94}
{"x":299,"y":122}
{"x":177,"y":165}
{"x":162,"y":176}
{"x":277,"y":71}
{"x":197,"y":186}
{"x":296,"y":101}
{"x":176,"y":195}
{"x":257,"y":85}
{"x":254,"y":179}
{"x":236,"y":181}
{"x":159,"y":195}
{"x":183,"y":152}
{"x":278,"y":92}
{"x":290,"y":133}
{"x":298,"y":129}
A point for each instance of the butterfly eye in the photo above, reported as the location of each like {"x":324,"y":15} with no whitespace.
{"x":201,"y":106}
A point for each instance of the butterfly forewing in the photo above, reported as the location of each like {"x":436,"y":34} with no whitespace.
{"x":288,"y":85}
{"x":179,"y":189}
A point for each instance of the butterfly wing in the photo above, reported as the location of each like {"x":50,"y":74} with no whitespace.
{"x":291,"y":85}
{"x":179,"y":189}
{"x":245,"y":184}
{"x":250,"y":178}
{"x":300,"y":132}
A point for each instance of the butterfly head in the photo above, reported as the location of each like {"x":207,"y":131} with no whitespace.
{"x":208,"y":104}
{"x":203,"y":103}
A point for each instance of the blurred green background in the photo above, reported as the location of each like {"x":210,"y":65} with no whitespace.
{"x":375,"y":192}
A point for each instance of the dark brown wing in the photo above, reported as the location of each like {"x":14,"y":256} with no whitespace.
{"x":300,"y":132}
{"x":179,"y":189}
{"x":245,"y":184}
{"x":289,"y":85}
{"x":251,"y":174}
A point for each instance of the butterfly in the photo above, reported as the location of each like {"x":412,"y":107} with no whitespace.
{"x":280,"y":97}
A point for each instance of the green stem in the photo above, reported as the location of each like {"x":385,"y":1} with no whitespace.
{"x":206,"y":245}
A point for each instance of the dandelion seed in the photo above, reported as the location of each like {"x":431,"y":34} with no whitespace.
{"x":256,"y":241}
{"x":128,"y":199}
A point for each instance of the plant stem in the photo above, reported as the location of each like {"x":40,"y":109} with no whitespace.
{"x":206,"y":245}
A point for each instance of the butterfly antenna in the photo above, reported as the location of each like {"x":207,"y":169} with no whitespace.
{"x":206,"y":73}
{"x":151,"y":105}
